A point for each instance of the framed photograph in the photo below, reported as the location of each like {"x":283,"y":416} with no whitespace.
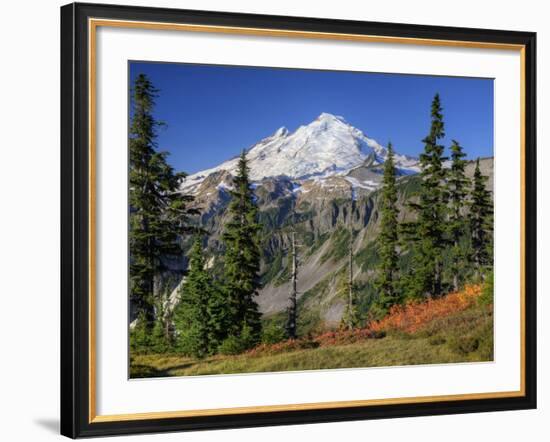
{"x":279,"y":220}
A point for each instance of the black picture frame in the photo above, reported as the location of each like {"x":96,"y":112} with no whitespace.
{"x":75,"y":219}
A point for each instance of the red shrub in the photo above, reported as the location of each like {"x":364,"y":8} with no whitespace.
{"x":413,"y":316}
{"x":408,"y":318}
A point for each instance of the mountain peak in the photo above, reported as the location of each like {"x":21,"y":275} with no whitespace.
{"x":281,"y":132}
{"x":325,"y":147}
{"x":325,"y":116}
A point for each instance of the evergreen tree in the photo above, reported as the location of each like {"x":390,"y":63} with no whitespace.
{"x":160,"y":341}
{"x":350,"y":318}
{"x":386,"y":282}
{"x":157,"y":212}
{"x":481,"y":222}
{"x":242,"y":257}
{"x":457,"y":185}
{"x":219,"y":318}
{"x":161,"y":334}
{"x":428,"y":233}
{"x":140,"y":335}
{"x":192,"y":319}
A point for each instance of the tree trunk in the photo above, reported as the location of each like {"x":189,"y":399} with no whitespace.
{"x":350,"y":270}
{"x":291,"y":326}
{"x":437,"y":278}
{"x":455,"y":276}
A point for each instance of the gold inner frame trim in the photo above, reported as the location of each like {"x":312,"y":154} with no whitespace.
{"x":93,"y":24}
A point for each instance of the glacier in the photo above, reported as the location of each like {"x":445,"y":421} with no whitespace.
{"x":326,"y":147}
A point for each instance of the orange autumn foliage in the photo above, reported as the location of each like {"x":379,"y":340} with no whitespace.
{"x":413,"y":316}
{"x":409,"y":318}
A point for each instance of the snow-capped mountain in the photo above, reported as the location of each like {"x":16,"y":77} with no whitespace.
{"x":326,"y":147}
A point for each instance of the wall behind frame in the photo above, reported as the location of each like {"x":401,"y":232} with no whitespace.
{"x":29,"y":225}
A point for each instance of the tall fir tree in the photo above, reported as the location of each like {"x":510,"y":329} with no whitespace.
{"x":481,"y":223}
{"x":242,"y":257}
{"x":428,"y":233}
{"x":192,"y":315}
{"x":158,"y":214}
{"x":386,"y":282}
{"x":458,"y":188}
{"x":219,"y":317}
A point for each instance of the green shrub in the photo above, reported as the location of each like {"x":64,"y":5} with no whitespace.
{"x":233,"y":345}
{"x":486,"y":342}
{"x":273,"y":333}
{"x":189,"y":342}
{"x":376,"y":312}
{"x":140,"y":336}
{"x":487,"y":296}
{"x":160,"y":343}
{"x":147,"y":338}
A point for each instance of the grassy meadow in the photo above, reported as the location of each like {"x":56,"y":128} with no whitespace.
{"x":455,"y":328}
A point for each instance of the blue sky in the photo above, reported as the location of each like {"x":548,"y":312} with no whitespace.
{"x":213,"y":112}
